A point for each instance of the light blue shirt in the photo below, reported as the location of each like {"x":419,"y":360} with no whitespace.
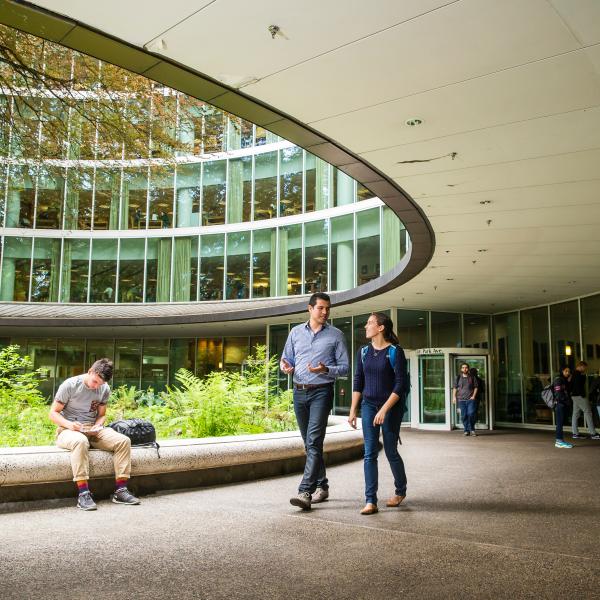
{"x":303,"y":346}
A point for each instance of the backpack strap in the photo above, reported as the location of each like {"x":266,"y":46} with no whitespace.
{"x":392,"y":351}
{"x":363,"y":353}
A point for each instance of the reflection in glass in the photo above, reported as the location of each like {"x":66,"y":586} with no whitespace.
{"x":317,"y":183}
{"x":238,"y":266}
{"x":343,"y":188}
{"x":265,"y":186}
{"x":343,"y":385}
{"x":42,"y":352}
{"x":477,"y":331}
{"x":367,"y":246}
{"x":214,"y":130}
{"x":394,"y":240}
{"x":134,"y":198}
{"x":182,"y":355}
{"x":188,"y":195}
{"x":185,"y":269}
{"x":127,"y":363}
{"x":103,"y":281}
{"x":74,"y":270}
{"x":239,"y":192}
{"x":412,"y":328}
{"x":277,"y":337}
{"x":160,"y":202}
{"x":209,"y":356}
{"x":535,"y":348}
{"x":263,"y":262}
{"x":289,"y":279}
{"x":235,"y":353}
{"x":97,"y":349}
{"x":155,"y":364}
{"x":20,"y":200}
{"x":45,"y":271}
{"x":213,"y":192}
{"x":78,"y":200}
{"x":290,"y":182}
{"x":432,"y":389}
{"x":508,"y":360}
{"x":566,"y":350}
{"x":16,"y":269}
{"x":131,"y":270}
{"x":445,"y":330}
{"x":158,"y":269}
{"x":590,"y":325}
{"x":210,"y":284}
{"x":106,"y":199}
{"x":51,"y":189}
{"x":315,"y":257}
{"x":69,"y":359}
{"x":342,"y":252}
{"x":362,"y":193}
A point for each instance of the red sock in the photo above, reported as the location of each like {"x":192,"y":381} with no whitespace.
{"x":120,"y":483}
{"x":82,"y":486}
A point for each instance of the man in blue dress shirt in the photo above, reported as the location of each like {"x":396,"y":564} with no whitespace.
{"x":315,"y":353}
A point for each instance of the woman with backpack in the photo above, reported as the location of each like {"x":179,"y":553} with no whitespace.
{"x":381,"y":382}
{"x":562,"y":399}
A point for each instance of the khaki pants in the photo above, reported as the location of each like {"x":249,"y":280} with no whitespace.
{"x":582,"y":405}
{"x":106,"y":439}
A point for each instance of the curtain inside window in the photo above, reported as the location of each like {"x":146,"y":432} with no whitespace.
{"x":163,"y":276}
{"x":181,"y":269}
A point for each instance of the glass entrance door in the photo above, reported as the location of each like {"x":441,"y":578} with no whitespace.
{"x":432,"y":389}
{"x":479,"y":363}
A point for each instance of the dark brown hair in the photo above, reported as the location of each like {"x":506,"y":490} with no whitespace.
{"x":319,"y":296}
{"x":388,"y":327}
{"x":103,"y":367}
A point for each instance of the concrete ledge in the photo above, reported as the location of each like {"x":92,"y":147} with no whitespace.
{"x":38,"y":472}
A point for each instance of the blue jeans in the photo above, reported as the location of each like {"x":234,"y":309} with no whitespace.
{"x":559,"y":413}
{"x":468,"y":413}
{"x":312,"y":407}
{"x":391,"y":431}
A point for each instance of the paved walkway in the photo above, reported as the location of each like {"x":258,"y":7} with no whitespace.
{"x":503,"y":515}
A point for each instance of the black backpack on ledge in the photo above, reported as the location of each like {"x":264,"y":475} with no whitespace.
{"x":139,"y":431}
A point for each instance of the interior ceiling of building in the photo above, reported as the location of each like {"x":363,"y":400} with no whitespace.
{"x":506,"y":161}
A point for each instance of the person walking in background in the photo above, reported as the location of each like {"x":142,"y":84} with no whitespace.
{"x":465,"y":392}
{"x":580,"y":403}
{"x":562,"y":398}
{"x":381,"y":382}
{"x":315,"y":353}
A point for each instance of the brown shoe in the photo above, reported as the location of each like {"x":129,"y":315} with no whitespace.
{"x":369,"y":509}
{"x":395,"y":501}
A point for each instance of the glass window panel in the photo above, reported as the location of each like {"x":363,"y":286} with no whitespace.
{"x":69,"y":359}
{"x":3,"y":182}
{"x":289,"y":279}
{"x":590,"y":324}
{"x":265,"y":186}
{"x":367,"y":246}
{"x":412,"y":328}
{"x":317,"y":183}
{"x":477,"y":331}
{"x":134,"y":198}
{"x":535,"y":349}
{"x":51,"y":190}
{"x":263,"y":262}
{"x":213,"y":192}
{"x":155,"y":364}
{"x":209,"y":355}
{"x":257,"y":340}
{"x":290,"y":181}
{"x":214,"y":130}
{"x":78,"y":201}
{"x":185,"y":269}
{"x":507,"y":362}
{"x":131,"y":270}
{"x":342,"y":253}
{"x":239,"y":193}
{"x":20,"y":200}
{"x":188,"y":195}
{"x":25,"y":143}
{"x":160,"y":211}
{"x":342,"y":188}
{"x":433,"y":389}
{"x":138,"y":112}
{"x":127,"y":363}
{"x":277,"y":337}
{"x":235,"y":353}
{"x":238,"y":266}
{"x":104,"y":271}
{"x":107,"y":199}
{"x":315,"y":257}
{"x":45,"y":271}
{"x":310,"y":180}
{"x":82,"y":140}
{"x":360,"y":339}
{"x":182,"y":355}
{"x":564,"y":322}
{"x":75,"y":269}
{"x":97,"y":349}
{"x":42,"y":352}
{"x":445,"y":330}
{"x":16,"y":269}
{"x":263,"y":136}
{"x":54,"y":121}
{"x":394,"y":240}
{"x":343,"y":385}
{"x":211,"y":267}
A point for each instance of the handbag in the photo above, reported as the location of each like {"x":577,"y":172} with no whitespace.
{"x":139,"y":431}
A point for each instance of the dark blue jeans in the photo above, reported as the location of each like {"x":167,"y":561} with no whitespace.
{"x":468,"y":413}
{"x":559,"y":413}
{"x":312,"y":407}
{"x":391,"y":431}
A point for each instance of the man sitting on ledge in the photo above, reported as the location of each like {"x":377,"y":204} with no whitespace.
{"x":79,"y":410}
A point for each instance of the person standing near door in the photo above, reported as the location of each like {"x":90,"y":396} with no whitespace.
{"x":315,"y":353}
{"x":562,"y":398}
{"x":580,"y":403}
{"x":465,"y":392}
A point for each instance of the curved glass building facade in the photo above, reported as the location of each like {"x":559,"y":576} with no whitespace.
{"x":235,"y":212}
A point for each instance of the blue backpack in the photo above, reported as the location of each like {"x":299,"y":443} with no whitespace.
{"x":392,"y":351}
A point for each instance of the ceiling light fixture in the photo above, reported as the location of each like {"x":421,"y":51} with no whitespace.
{"x":485,"y":202}
{"x":414,"y":122}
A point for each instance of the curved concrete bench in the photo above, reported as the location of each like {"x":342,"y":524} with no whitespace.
{"x":45,"y":471}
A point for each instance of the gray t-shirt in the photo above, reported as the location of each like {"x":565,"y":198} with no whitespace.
{"x":465,"y":387}
{"x":81,"y":402}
